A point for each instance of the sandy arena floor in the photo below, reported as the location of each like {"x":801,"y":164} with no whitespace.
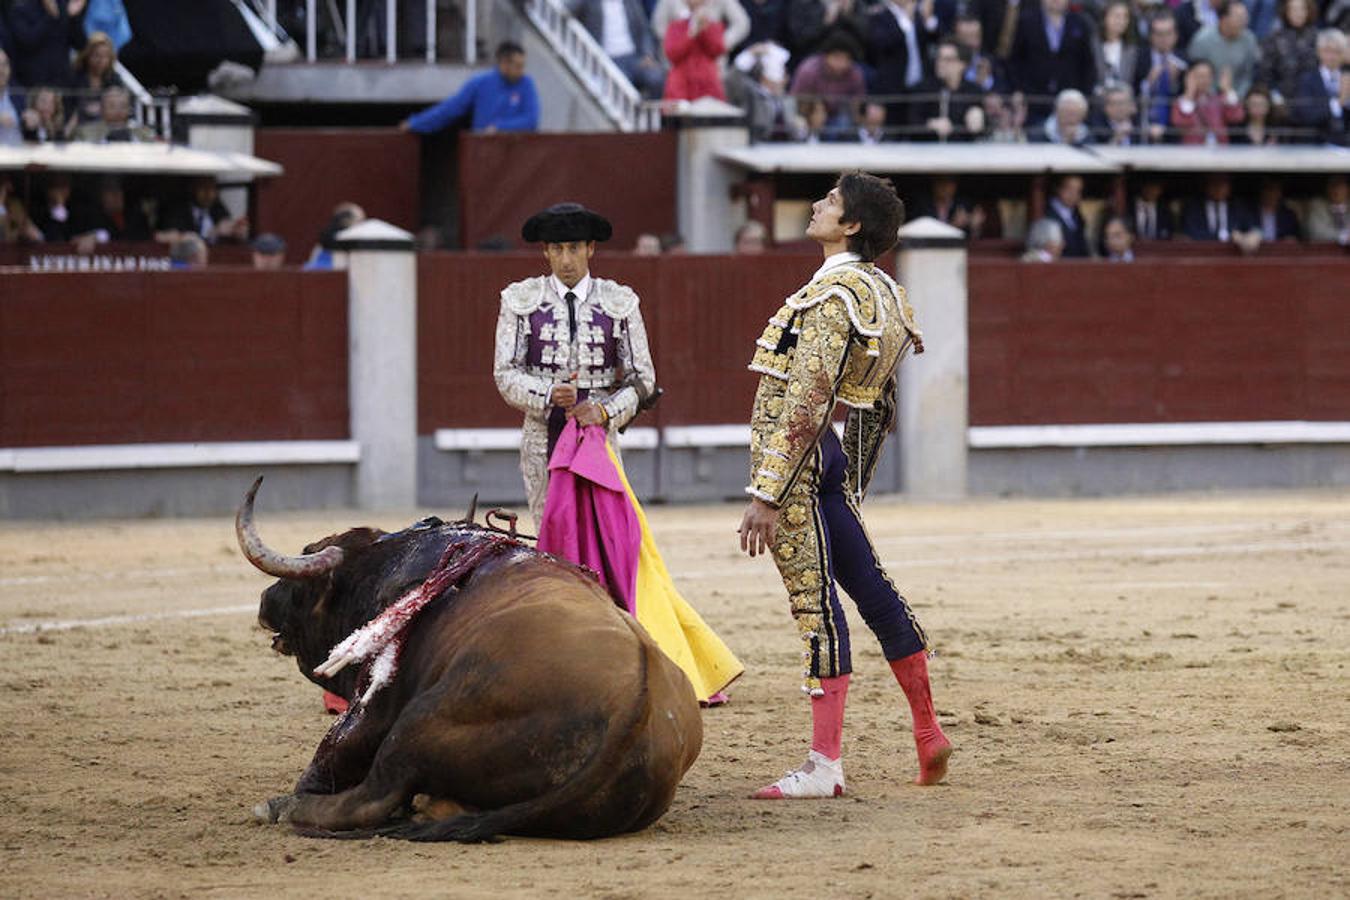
{"x":1150,"y":698}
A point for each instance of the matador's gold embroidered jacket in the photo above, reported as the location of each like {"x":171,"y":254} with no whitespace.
{"x":837,"y":340}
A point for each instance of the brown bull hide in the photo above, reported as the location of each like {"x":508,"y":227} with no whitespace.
{"x":524,"y":703}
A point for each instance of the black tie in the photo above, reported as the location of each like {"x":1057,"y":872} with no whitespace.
{"x":571,"y":299}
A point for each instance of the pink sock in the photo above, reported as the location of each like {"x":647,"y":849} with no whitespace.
{"x":933,"y":746}
{"x":827,"y":717}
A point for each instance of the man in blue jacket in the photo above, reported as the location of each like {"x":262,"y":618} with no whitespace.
{"x":503,"y":99}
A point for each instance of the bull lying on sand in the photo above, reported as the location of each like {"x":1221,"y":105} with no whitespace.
{"x":521,"y":700}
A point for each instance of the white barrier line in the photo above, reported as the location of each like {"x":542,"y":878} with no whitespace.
{"x":106,"y":621}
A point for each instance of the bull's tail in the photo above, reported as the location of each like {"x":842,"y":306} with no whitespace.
{"x":485,"y":825}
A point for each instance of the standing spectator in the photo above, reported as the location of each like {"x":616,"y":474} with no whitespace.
{"x":503,"y":99}
{"x":1255,"y":130}
{"x":998,"y":25}
{"x":1329,"y":216}
{"x":269,"y":252}
{"x":752,"y":238}
{"x":1052,"y":52}
{"x":833,"y":76}
{"x":1324,"y":94}
{"x":109,"y":218}
{"x":620,"y":27}
{"x":1277,"y":221}
{"x":54,"y":219}
{"x":899,"y":34}
{"x":982,"y":68}
{"x":768,"y":19}
{"x":1069,"y":123}
{"x":1229,"y":46}
{"x":732,"y":19}
{"x":44,"y":119}
{"x":1192,"y":15}
{"x":45,"y":31}
{"x":1045,"y":241}
{"x":11,"y":117}
{"x":1118,"y":125}
{"x":693,"y":46}
{"x":115,"y":124}
{"x":1201,"y":115}
{"x":203,"y":214}
{"x":1215,"y":217}
{"x":1115,"y":47}
{"x":93,"y":75}
{"x":1152,"y":217}
{"x":953,"y":99}
{"x":1163,"y":73}
{"x":1117,"y":240}
{"x":109,"y":17}
{"x":810,"y":23}
{"x":1063,"y":209}
{"x":1289,"y":51}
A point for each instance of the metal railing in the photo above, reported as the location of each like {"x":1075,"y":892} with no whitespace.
{"x":587,"y":60}
{"x":345,"y":23}
{"x":153,"y":110}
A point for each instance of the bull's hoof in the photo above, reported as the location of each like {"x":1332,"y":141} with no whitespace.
{"x":278,"y":809}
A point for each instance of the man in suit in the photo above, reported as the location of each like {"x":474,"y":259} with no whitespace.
{"x":1329,"y":216}
{"x":1324,"y":93}
{"x":899,"y":34}
{"x":1162,"y":72}
{"x":1063,"y":208}
{"x":1052,"y":52}
{"x":1277,"y":221}
{"x":1217,"y":217}
{"x":621,"y":29}
{"x":944,"y":117}
{"x":1152,"y":217}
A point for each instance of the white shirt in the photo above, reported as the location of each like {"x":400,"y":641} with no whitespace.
{"x":1217,"y":211}
{"x":582,"y":289}
{"x":838,"y":259}
{"x":1332,"y":82}
{"x":615,"y":35}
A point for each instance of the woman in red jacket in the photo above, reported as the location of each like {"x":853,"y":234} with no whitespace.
{"x":693,"y":46}
{"x":1202,"y":116}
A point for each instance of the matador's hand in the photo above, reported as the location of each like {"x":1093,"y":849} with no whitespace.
{"x":589,"y":413}
{"x":758,"y":526}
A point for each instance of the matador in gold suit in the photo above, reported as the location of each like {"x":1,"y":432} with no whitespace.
{"x":838,"y":340}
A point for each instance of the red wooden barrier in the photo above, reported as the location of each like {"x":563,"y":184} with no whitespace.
{"x":1162,"y":341}
{"x":226,"y":355}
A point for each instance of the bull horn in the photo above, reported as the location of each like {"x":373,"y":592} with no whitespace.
{"x":473,"y":510}
{"x":268,"y":560}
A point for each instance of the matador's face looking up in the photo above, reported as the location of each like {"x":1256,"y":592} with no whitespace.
{"x":826,"y":226}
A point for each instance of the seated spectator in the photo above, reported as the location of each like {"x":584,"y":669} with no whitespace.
{"x":872,"y":124}
{"x":729,"y":14}
{"x":188,"y":252}
{"x":946,"y":205}
{"x":1329,"y":216}
{"x":201,"y":213}
{"x":982,"y":68}
{"x":1229,"y":46}
{"x":54,"y":218}
{"x":752,"y":238}
{"x":503,"y":99}
{"x":1118,"y":125}
{"x":899,"y":34}
{"x":620,"y":28}
{"x":11,"y":129}
{"x":1216,"y":217}
{"x":1277,"y":221}
{"x":811,"y":123}
{"x":1068,"y":125}
{"x":44,"y":33}
{"x":834,"y":76}
{"x":116,"y":124}
{"x":1117,"y":240}
{"x":1163,"y":73}
{"x":109,"y":218}
{"x":1152,"y":217}
{"x":345,"y":215}
{"x":947,"y":99}
{"x":16,"y":225}
{"x":1289,"y":51}
{"x":758,"y":84}
{"x":1045,"y":242}
{"x":647,"y":245}
{"x":1324,"y":93}
{"x":269,"y":252}
{"x":1201,"y":115}
{"x":1004,"y":120}
{"x":1051,"y":53}
{"x":1063,"y":208}
{"x":1114,"y":48}
{"x":93,"y":75}
{"x":693,"y":46}
{"x":1255,"y":131}
{"x":44,"y":119}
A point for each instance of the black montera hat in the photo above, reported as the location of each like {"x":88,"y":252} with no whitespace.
{"x":566,"y":222}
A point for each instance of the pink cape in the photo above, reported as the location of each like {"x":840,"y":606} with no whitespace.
{"x":587,"y":517}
